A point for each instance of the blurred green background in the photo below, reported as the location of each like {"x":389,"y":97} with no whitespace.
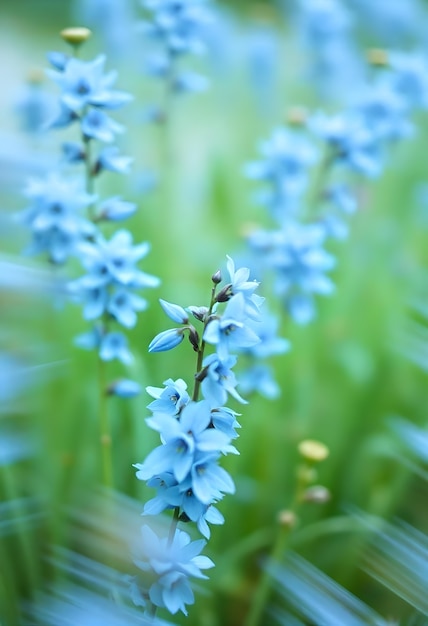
{"x":344,"y":377}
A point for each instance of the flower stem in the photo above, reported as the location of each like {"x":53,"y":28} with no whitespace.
{"x":105,"y":436}
{"x":263,"y":589}
{"x":202,"y":345}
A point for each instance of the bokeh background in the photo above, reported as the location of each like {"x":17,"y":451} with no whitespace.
{"x":355,"y":378}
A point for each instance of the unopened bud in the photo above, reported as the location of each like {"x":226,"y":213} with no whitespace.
{"x":313,"y":451}
{"x":317,"y":494}
{"x":75,"y":36}
{"x":287,"y":518}
{"x":378,"y":57}
{"x":224,"y":294}
{"x":194,"y":338}
{"x":216,"y":277}
{"x":296,"y":116}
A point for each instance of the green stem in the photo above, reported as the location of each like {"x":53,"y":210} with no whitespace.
{"x":318,"y":187}
{"x":105,"y":436}
{"x":201,"y":350}
{"x":263,"y":589}
{"x":261,"y":596}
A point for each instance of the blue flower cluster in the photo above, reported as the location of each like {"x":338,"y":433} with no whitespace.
{"x":65,"y":213}
{"x":55,"y":217}
{"x":305,"y":170}
{"x":177,"y":28}
{"x":195,"y":434}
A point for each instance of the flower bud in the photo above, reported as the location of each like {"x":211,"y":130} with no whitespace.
{"x":377,"y":57}
{"x":75,"y":36}
{"x":313,"y":451}
{"x":166,"y":340}
{"x":287,"y":518}
{"x":225,"y":294}
{"x":194,"y":338}
{"x":216,"y":278}
{"x":318,"y":494}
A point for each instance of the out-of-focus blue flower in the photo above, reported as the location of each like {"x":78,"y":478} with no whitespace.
{"x":409,"y":78}
{"x":108,"y":287}
{"x":299,"y":262}
{"x":287,"y":158}
{"x":115,"y":346}
{"x":115,"y":209}
{"x":259,"y":378}
{"x":177,"y":24}
{"x":177,"y":29}
{"x":171,"y":399}
{"x":124,"y":388}
{"x":34,"y":105}
{"x":230,"y":332}
{"x":73,"y":151}
{"x":173,"y":562}
{"x":114,"y":262}
{"x":98,"y":125}
{"x":84,"y":83}
{"x":54,"y":217}
{"x":110,"y":159}
{"x":383,"y":111}
{"x":122,"y":305}
{"x":351,"y":142}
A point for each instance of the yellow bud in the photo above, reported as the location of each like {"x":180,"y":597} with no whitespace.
{"x":313,"y":451}
{"x":306,"y":474}
{"x":377,"y":57}
{"x":75,"y":36}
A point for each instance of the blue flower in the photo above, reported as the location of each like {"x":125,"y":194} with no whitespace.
{"x":54,"y":217}
{"x":173,"y":562}
{"x":219,"y":380}
{"x":83,"y":83}
{"x":352,"y":142}
{"x":230,"y":332}
{"x":260,"y":378}
{"x":110,"y":159}
{"x":239,"y":283}
{"x":299,"y":261}
{"x":98,"y":125}
{"x":115,"y":346}
{"x":170,"y":494}
{"x":171,"y":399}
{"x":287,"y":159}
{"x":124,"y":388}
{"x":115,"y":209}
{"x":115,"y":261}
{"x":182,"y":440}
{"x":122,"y":305}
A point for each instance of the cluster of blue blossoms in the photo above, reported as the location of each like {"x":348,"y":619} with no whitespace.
{"x":195,"y":434}
{"x":306,"y":170}
{"x":65,"y":213}
{"x":176,"y":27}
